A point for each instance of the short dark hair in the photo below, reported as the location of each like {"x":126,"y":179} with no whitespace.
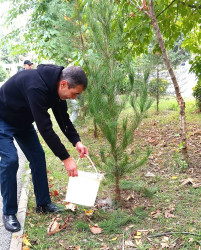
{"x":74,"y":75}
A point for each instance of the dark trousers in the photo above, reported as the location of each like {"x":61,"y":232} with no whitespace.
{"x":29,"y":143}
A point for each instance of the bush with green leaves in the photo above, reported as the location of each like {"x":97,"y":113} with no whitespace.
{"x":3,"y":74}
{"x":157,"y":87}
{"x":197,"y":94}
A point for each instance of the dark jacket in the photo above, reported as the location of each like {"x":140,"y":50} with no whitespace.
{"x":27,"y":96}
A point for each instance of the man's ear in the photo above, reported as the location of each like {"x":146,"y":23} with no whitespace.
{"x":63,"y":84}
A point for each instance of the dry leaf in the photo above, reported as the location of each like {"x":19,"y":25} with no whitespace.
{"x":155,"y":214}
{"x":130,"y":197}
{"x":187,"y":181}
{"x":71,"y":206}
{"x":168,"y":213}
{"x":129,"y":227}
{"x":55,"y":227}
{"x":149,"y":174}
{"x":25,"y":241}
{"x":137,"y":235}
{"x":164,"y":245}
{"x":88,"y":212}
{"x":114,"y":239}
{"x":129,"y":243}
{"x":104,"y":247}
{"x":25,"y":248}
{"x":55,"y":192}
{"x":95,"y":229}
{"x":195,"y":183}
{"x":138,"y":242}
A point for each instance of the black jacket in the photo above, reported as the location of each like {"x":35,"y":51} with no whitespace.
{"x":27,"y":96}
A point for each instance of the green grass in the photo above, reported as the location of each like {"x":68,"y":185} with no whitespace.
{"x":160,"y":192}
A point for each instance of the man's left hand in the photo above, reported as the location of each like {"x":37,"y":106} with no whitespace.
{"x":82,"y":150}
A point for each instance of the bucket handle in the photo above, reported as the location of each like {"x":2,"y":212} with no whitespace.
{"x":90,"y":162}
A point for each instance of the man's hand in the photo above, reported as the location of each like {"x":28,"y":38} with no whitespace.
{"x":82,"y":150}
{"x":71,"y":167}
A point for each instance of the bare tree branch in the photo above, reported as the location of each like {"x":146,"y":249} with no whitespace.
{"x":170,"y":233}
{"x":142,"y":8}
{"x":165,"y":9}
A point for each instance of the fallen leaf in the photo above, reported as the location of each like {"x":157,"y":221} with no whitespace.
{"x":137,"y":237}
{"x":155,"y":214}
{"x":195,"y":183}
{"x":55,"y":227}
{"x":25,"y":241}
{"x":114,"y":239}
{"x":71,"y":206}
{"x":149,"y":174}
{"x":130,"y":197}
{"x":25,"y":248}
{"x":151,"y":140}
{"x":174,"y":177}
{"x":95,"y":229}
{"x":129,"y":227}
{"x":187,"y":181}
{"x":164,"y":245}
{"x":55,"y":192}
{"x":138,"y":242}
{"x":129,"y":243}
{"x":168,"y":213}
{"x":144,"y":232}
{"x":104,"y":247}
{"x":88,"y":212}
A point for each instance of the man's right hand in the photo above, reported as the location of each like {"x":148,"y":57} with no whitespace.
{"x":70,"y":166}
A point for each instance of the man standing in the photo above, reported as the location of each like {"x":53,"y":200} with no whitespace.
{"x":25,"y":98}
{"x":27,"y":65}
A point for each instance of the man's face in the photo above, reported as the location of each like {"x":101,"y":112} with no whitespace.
{"x":27,"y":66}
{"x":65,"y":92}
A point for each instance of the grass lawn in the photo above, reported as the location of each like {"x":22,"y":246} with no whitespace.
{"x":159,"y":209}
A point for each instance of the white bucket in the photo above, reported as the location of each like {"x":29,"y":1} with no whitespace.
{"x":83,"y":189}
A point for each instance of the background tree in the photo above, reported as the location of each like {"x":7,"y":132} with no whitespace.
{"x":3,"y":74}
{"x":157,"y":88}
{"x":52,"y":30}
{"x":197,"y":94}
{"x":171,"y":30}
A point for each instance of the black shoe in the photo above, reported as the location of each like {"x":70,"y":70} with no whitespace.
{"x":49,"y":208}
{"x":11,"y":223}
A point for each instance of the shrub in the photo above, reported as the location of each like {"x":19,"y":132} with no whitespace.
{"x":197,"y":94}
{"x":2,"y":74}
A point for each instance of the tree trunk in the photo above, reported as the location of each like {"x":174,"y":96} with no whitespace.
{"x":180,"y":100}
{"x":117,"y":177}
{"x":157,"y":103}
{"x":117,"y":189}
{"x":157,"y":94}
{"x":95,"y":130}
